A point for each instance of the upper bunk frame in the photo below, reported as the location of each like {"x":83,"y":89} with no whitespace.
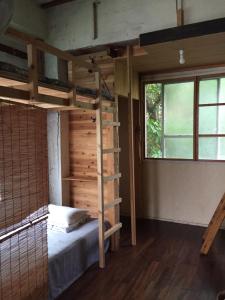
{"x":31,"y":91}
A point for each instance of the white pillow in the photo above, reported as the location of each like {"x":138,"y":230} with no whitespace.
{"x":66,"y":229}
{"x":64,"y":216}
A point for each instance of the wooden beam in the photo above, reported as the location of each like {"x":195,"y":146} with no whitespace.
{"x":53,"y":100}
{"x":183,"y":32}
{"x":62,"y":66}
{"x":180,"y":12}
{"x":95,"y":19}
{"x":54,"y":3}
{"x":180,"y":17}
{"x":131,"y":146}
{"x":116,"y":237}
{"x":32,"y":72}
{"x":115,"y":47}
{"x":100,"y":171}
{"x":40,"y":45}
{"x":13,"y":51}
{"x":72,"y":80}
{"x":213,"y":227}
{"x":9,"y":92}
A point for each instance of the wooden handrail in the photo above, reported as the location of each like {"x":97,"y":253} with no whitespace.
{"x":28,"y":39}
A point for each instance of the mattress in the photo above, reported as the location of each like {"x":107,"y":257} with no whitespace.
{"x":23,"y":73}
{"x":71,"y":254}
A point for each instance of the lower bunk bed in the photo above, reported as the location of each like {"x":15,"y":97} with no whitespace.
{"x":70,"y":254}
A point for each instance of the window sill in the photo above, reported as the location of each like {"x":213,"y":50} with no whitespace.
{"x":182,"y":159}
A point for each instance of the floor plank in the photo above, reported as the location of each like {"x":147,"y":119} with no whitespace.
{"x":165,"y":264}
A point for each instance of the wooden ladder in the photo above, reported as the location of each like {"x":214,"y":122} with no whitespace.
{"x":213,"y":227}
{"x":102,"y":178}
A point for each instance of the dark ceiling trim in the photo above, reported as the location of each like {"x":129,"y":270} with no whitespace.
{"x":55,"y":3}
{"x":183,"y":32}
{"x":112,"y":47}
{"x":13,"y":51}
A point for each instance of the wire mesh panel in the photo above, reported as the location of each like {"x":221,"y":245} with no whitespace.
{"x":23,"y":166}
{"x":23,"y":202}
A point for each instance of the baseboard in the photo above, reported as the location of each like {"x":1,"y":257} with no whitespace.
{"x":172,"y":220}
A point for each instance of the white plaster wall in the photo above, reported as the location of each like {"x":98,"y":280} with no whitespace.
{"x":58,"y":157}
{"x":181,"y":191}
{"x":28,"y":17}
{"x":54,"y":158}
{"x":71,"y":25}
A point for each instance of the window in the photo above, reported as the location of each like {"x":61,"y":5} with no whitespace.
{"x":211,"y":109}
{"x":169,"y":113}
{"x":179,"y":127}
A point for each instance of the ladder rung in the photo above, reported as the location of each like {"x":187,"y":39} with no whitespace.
{"x":113,"y":150}
{"x":110,"y":123}
{"x":112,"y":230}
{"x":107,"y":109}
{"x":112,"y":177}
{"x":113,"y":203}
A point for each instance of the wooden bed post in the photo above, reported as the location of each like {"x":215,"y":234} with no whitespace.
{"x":180,"y":12}
{"x":114,"y":200}
{"x":116,"y":237}
{"x":131,"y":146}
{"x":100,"y":173}
{"x":72,"y":79}
{"x":32,"y":71}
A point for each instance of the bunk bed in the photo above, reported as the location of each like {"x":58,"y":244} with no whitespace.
{"x":71,"y":254}
{"x":28,"y":90}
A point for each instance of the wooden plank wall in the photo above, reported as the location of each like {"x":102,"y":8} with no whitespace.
{"x":114,"y":72}
{"x":86,"y":79}
{"x":121,"y":86}
{"x":82,"y":137}
{"x":82,"y":152}
{"x":83,"y":161}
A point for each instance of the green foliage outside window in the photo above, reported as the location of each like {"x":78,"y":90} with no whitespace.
{"x":153,"y":119}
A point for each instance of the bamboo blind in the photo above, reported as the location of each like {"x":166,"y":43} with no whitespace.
{"x":23,"y":202}
{"x":23,"y":166}
{"x":23,"y":259}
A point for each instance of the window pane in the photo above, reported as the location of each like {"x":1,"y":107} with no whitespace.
{"x":211,"y":120}
{"x":178,"y":108}
{"x":222,"y":91}
{"x":179,"y":148}
{"x":212,"y":148}
{"x":153,"y":120}
{"x":208,"y":91}
{"x":208,"y":120}
{"x":221,"y":119}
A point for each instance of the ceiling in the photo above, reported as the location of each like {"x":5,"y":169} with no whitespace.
{"x":198,"y":51}
{"x":43,"y":1}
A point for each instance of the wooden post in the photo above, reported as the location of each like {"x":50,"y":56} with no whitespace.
{"x":72,"y":79}
{"x":32,"y":71}
{"x":213,"y":227}
{"x":95,"y":20}
{"x":180,"y":13}
{"x":116,"y":237}
{"x":63,"y":70}
{"x":100,"y":173}
{"x":131,"y":146}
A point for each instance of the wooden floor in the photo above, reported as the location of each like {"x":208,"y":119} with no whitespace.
{"x":165,"y":264}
